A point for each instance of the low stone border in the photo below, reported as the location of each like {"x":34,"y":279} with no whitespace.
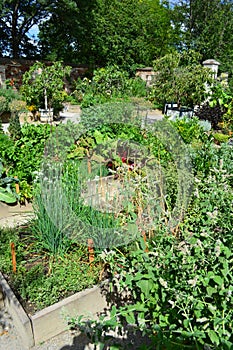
{"x":50,"y":321}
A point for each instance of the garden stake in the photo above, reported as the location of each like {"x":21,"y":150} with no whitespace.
{"x":143,"y":232}
{"x":13,"y":257}
{"x":144,"y":238}
{"x":88,"y":162}
{"x":90,"y":245}
{"x":16,"y":186}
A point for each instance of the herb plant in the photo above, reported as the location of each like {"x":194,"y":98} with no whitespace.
{"x":177,"y":287}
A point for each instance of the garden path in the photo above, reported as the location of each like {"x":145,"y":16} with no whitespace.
{"x":73,"y":114}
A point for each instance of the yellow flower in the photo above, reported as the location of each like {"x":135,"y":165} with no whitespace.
{"x":32,"y":108}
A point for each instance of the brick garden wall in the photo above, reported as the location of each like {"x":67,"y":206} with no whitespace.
{"x":12,"y":70}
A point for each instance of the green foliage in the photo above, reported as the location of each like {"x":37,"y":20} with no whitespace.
{"x":22,"y":157}
{"x":201,"y":19}
{"x":64,"y":279}
{"x":219,"y":137}
{"x":17,"y":18}
{"x":222,"y":97}
{"x":14,"y":127}
{"x":177,"y":290}
{"x":132,"y":36}
{"x":51,"y":237}
{"x":180,"y":78}
{"x":189,"y":129}
{"x":109,"y":83}
{"x":218,"y":109}
{"x":40,"y":279}
{"x":6,"y":237}
{"x":7,"y":194}
{"x":180,"y":291}
{"x":43,"y":86}
{"x":137,"y":32}
{"x":10,"y":101}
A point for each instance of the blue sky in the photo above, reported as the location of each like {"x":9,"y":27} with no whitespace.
{"x":33,"y":31}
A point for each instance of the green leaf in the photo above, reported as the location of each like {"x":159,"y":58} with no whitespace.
{"x":113,"y":311}
{"x":213,"y":337}
{"x":99,"y":137}
{"x":130,"y":319}
{"x":186,"y":323}
{"x":145,"y":286}
{"x":218,"y":280}
{"x":210,"y":291}
{"x":7,"y":197}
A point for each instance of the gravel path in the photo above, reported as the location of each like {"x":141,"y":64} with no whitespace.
{"x":10,"y":340}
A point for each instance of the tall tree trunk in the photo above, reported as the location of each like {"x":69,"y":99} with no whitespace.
{"x":14,"y":31}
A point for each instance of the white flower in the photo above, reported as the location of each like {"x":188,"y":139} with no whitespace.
{"x":106,"y":254}
{"x":196,"y":193}
{"x":202,"y":319}
{"x":204,"y":234}
{"x":213,"y":215}
{"x":163,"y":282}
{"x":172,"y":303}
{"x":217,"y":248}
{"x":193,"y":282}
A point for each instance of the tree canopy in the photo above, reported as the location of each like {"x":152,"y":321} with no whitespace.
{"x":16,"y":19}
{"x":206,"y":27}
{"x":122,"y":32}
{"x":127,"y":33}
{"x":130,"y":32}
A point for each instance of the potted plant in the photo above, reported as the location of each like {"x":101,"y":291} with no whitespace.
{"x":43,"y":87}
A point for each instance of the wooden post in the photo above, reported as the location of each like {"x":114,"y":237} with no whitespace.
{"x":88,"y":162}
{"x":91,"y":252}
{"x":13,"y":255}
{"x":16,"y":186}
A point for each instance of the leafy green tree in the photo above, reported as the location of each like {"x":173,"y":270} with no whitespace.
{"x":180,"y":79}
{"x":43,"y":86}
{"x":104,"y":32}
{"x":207,"y":27}
{"x":130,"y":32}
{"x":66,"y":34}
{"x":16,"y":19}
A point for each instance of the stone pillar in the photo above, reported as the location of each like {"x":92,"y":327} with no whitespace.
{"x":213,"y":65}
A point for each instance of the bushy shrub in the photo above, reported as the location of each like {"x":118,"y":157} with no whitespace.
{"x":108,"y":84}
{"x":10,"y":101}
{"x":179,"y":82}
{"x":22,"y":154}
{"x":14,"y":127}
